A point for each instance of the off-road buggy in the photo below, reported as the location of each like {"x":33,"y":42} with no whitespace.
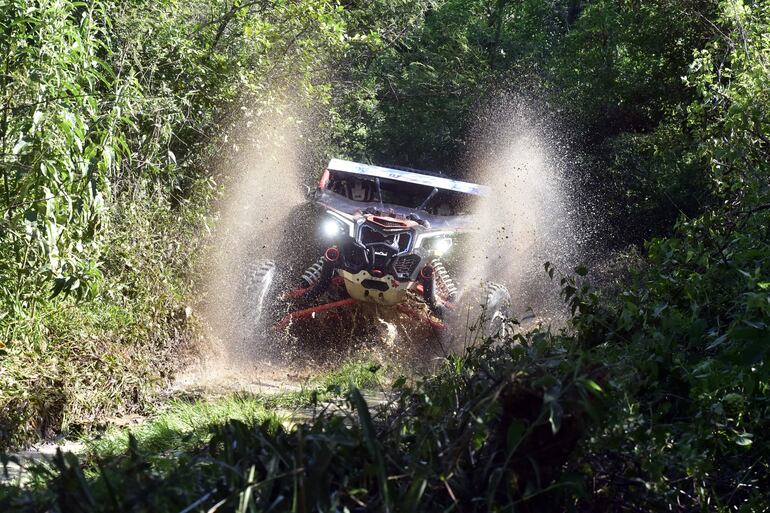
{"x":383,"y":236}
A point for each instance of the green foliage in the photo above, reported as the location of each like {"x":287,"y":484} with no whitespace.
{"x":59,"y":141}
{"x":87,"y":360}
{"x":492,"y":428}
{"x":106,"y":190}
{"x":730,"y":121}
{"x":186,"y":423}
{"x":654,"y":399}
{"x":428,"y":68}
{"x":362,"y":374}
{"x":687,"y":343}
{"x":618,"y":74}
{"x":687,"y":346}
{"x":621,"y":63}
{"x":179,"y":425}
{"x":654,"y":178}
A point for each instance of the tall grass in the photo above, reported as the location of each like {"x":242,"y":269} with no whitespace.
{"x":504,"y":413}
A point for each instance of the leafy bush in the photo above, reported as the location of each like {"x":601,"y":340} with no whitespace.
{"x":492,"y":428}
{"x":687,"y":343}
{"x":106,"y":190}
{"x":654,"y":398}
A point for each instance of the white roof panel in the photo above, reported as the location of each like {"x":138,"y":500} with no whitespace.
{"x":438,"y":182}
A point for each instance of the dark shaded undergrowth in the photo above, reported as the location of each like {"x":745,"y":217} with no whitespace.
{"x":496,"y":426}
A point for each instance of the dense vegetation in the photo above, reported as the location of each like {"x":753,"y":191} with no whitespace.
{"x":654,"y":397}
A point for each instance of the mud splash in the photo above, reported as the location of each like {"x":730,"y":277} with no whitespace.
{"x":264,"y":176}
{"x":261,"y":181}
{"x":531,"y":215}
{"x":529,"y":219}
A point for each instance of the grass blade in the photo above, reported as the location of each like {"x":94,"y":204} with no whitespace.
{"x":373,"y":446}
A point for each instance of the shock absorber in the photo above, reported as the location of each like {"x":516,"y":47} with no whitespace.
{"x":443,"y":280}
{"x":313,"y":273}
{"x":428,"y":280}
{"x":326,"y":273}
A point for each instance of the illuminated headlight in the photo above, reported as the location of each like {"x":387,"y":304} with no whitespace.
{"x":331,"y":228}
{"x":439,"y":243}
{"x":441,"y":246}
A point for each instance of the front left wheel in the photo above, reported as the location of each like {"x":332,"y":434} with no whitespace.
{"x":257,"y":301}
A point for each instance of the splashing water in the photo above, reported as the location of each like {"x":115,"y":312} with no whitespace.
{"x":262,"y":187}
{"x":527,"y":219}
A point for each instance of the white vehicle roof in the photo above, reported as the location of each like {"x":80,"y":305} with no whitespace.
{"x":438,"y":182}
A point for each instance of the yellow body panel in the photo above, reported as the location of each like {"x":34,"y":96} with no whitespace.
{"x":394,"y":294}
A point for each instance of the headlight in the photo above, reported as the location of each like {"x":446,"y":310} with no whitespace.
{"x":336,"y":223}
{"x":331,"y":228}
{"x":441,"y":246}
{"x":438,"y":242}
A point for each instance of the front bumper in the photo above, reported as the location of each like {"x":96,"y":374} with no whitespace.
{"x":385,"y":290}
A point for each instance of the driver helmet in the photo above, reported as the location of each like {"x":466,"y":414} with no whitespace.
{"x":361,"y":190}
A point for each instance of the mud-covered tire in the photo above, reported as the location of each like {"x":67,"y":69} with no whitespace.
{"x":496,"y":309}
{"x":257,"y":298}
{"x":481,"y":312}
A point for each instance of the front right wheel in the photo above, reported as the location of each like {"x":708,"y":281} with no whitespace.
{"x":495,"y":309}
{"x":482,"y":312}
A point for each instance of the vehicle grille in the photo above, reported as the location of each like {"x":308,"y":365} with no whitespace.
{"x":370,"y":235}
{"x":406,"y":265}
{"x":354,"y":257}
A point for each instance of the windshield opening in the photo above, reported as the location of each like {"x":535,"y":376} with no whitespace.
{"x":365,"y":189}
